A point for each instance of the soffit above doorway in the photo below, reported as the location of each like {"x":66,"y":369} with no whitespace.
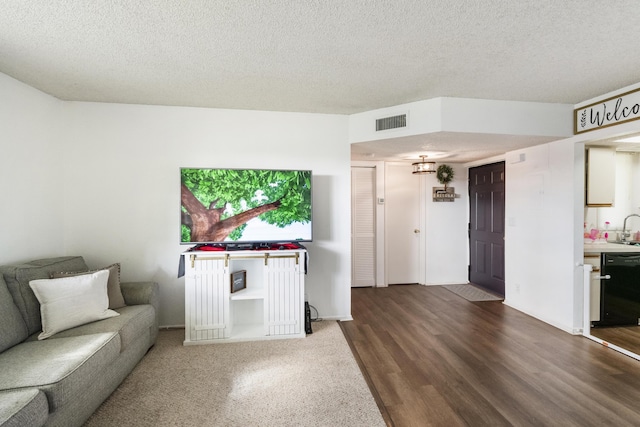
{"x":450,"y":147}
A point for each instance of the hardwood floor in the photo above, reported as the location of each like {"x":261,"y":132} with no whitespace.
{"x":627,"y":337}
{"x":433,"y":358}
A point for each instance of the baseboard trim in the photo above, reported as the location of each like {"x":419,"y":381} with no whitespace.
{"x":338,"y":318}
{"x":171,"y":327}
{"x":463,"y":282}
{"x":565,"y":328}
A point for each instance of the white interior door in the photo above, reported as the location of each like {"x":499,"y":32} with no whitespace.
{"x":363,"y":226}
{"x":402,"y":224}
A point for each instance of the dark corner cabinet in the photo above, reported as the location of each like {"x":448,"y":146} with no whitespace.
{"x":619,"y":289}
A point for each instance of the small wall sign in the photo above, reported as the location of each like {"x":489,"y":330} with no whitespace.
{"x":608,"y":112}
{"x":441,"y":194}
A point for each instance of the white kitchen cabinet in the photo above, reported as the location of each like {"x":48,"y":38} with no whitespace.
{"x":594,"y":286}
{"x":271,"y":306}
{"x":601,"y":176}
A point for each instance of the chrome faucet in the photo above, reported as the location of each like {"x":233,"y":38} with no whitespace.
{"x":626,"y":233}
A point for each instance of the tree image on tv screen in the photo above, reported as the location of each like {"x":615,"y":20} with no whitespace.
{"x":218,"y":203}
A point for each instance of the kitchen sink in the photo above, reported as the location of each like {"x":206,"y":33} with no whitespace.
{"x":627,"y":242}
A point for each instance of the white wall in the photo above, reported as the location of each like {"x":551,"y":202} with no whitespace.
{"x":546,"y":193}
{"x":31,"y":173}
{"x":102,"y":181}
{"x":122,"y":187}
{"x":543,"y":201}
{"x":506,"y":117}
{"x":446,"y":225}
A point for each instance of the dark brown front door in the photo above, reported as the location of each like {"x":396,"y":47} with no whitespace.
{"x":486,"y":227}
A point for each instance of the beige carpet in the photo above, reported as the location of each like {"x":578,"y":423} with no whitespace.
{"x":473,"y":293}
{"x":312,"y":381}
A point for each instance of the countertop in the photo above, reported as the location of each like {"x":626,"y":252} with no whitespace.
{"x":598,"y":248}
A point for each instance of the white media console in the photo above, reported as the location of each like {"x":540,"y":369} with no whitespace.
{"x":271,"y":306}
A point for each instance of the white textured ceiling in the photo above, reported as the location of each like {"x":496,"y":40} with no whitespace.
{"x":321,"y":56}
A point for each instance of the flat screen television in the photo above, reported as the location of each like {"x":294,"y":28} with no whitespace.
{"x":245,"y":206}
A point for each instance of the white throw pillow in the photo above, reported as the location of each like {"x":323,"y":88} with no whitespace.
{"x":72,"y":301}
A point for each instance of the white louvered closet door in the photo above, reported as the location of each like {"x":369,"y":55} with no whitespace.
{"x":363,"y":226}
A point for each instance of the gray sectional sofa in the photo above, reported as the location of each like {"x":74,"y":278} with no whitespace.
{"x":63,"y":379}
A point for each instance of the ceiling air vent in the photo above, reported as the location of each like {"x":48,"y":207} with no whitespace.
{"x":393,"y":122}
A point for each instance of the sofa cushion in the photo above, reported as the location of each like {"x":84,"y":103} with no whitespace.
{"x":68,"y":302}
{"x":19,"y":276}
{"x":133,"y":323}
{"x":61,"y":367}
{"x":141,"y":293}
{"x":116,"y":300}
{"x":13,"y":330}
{"x":21,"y":408}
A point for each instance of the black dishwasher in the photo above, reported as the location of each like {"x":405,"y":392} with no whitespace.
{"x":619,"y":289}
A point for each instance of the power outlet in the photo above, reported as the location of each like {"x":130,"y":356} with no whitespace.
{"x":517,"y":288}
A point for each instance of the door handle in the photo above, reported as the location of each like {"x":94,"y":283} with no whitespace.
{"x":416,"y":231}
{"x":606,"y":276}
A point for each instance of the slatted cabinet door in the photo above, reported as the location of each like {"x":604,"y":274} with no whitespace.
{"x":285,"y":295}
{"x":207,"y":292}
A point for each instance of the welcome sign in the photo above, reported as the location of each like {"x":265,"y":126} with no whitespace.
{"x":609,"y":112}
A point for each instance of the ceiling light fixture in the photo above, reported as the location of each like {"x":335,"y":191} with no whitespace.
{"x":423,"y":166}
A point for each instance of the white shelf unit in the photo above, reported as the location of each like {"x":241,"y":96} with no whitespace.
{"x":271,"y":306}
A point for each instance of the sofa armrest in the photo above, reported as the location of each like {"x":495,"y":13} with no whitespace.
{"x":136,"y":293}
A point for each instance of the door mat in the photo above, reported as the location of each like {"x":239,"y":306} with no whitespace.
{"x":473,"y":293}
